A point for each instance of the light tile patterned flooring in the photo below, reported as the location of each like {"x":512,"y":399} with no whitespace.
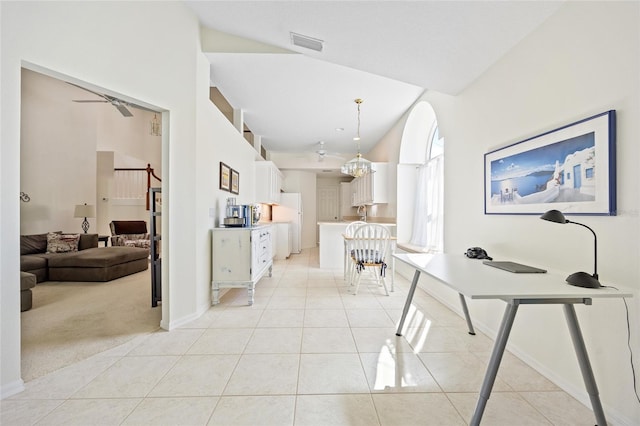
{"x":306,"y":353}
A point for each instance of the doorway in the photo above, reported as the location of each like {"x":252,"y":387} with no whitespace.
{"x":59,"y":144}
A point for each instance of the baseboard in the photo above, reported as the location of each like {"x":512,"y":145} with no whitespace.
{"x":11,"y":389}
{"x":172,"y":325}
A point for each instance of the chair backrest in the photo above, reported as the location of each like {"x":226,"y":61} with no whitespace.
{"x":351,"y":228}
{"x":123,"y":227}
{"x":370,"y":243}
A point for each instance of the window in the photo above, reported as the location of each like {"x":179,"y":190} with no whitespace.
{"x":428,"y":227}
{"x":588,"y":173}
{"x":420,"y":182}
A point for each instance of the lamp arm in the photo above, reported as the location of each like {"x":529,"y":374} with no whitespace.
{"x":595,"y":248}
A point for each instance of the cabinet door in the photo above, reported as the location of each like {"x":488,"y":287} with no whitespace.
{"x":367,"y":189}
{"x":276,"y":184}
{"x":231,"y":254}
{"x":268,"y":182}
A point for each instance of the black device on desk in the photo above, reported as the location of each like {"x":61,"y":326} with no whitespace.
{"x":514,"y":267}
{"x":477,"y":253}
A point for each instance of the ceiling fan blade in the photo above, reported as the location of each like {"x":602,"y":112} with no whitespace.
{"x":123,"y":109}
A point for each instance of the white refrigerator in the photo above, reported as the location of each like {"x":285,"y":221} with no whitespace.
{"x":290,"y":210}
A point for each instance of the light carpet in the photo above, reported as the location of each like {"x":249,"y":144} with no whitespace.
{"x":71,"y":321}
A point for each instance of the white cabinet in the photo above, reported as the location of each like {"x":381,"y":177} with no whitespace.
{"x":281,"y":240}
{"x":240,"y":257}
{"x":268,"y":182}
{"x":371,"y":188}
{"x":346,"y":201}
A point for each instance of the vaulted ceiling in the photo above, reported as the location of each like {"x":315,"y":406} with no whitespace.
{"x":385,"y":52}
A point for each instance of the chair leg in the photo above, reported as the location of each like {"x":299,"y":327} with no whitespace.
{"x":352,"y":272}
{"x":384,"y":284}
{"x":357,"y":279}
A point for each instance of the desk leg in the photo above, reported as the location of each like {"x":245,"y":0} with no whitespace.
{"x":585,"y":365}
{"x":466,"y":314}
{"x":407,"y":304}
{"x":494,"y":362}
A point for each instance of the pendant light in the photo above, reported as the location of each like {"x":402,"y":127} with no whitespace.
{"x":357,"y":166}
{"x":155,"y":129}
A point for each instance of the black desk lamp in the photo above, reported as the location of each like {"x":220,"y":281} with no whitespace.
{"x":580,"y":279}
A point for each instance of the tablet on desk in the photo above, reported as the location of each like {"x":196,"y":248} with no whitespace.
{"x":514,"y":267}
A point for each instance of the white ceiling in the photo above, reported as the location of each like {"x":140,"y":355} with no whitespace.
{"x":386,"y":53}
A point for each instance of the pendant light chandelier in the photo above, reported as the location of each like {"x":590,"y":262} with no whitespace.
{"x":155,"y":129}
{"x":358,"y":166}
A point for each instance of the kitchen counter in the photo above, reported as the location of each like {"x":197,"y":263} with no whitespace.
{"x":257,"y":226}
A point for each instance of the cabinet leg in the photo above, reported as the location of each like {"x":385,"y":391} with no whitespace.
{"x":215,"y":296}
{"x":270,"y":271}
{"x":250,"y":291}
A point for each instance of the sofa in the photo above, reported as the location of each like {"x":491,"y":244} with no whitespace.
{"x":57,"y":256}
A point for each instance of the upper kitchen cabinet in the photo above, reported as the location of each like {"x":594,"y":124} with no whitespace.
{"x":268,"y":182}
{"x":371,"y":188}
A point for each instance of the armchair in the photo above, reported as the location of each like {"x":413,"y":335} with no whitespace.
{"x":130,"y":233}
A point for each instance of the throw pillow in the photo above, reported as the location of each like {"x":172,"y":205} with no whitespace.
{"x":62,"y":243}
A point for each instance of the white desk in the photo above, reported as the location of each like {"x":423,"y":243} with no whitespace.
{"x":469,"y":277}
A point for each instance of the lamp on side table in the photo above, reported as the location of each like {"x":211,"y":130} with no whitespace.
{"x":85,"y":210}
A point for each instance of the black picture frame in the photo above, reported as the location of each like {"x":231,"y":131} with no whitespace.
{"x":235,"y":182}
{"x":225,"y":177}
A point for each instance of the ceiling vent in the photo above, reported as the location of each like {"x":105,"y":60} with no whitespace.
{"x":306,"y":42}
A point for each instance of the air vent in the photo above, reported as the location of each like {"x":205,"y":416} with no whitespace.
{"x":306,"y":42}
{"x":326,"y":171}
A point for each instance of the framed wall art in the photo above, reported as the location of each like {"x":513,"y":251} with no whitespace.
{"x":571,"y":169}
{"x":235,"y":181}
{"x":225,"y":177}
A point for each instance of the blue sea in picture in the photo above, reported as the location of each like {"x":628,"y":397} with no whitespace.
{"x":525,"y":185}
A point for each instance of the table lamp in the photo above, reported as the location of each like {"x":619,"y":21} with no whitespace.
{"x":580,"y":279}
{"x":85,"y":211}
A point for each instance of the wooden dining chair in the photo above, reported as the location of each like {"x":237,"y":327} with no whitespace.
{"x":368,"y":251}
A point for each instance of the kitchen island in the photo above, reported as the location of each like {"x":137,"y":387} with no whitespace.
{"x":332,"y":244}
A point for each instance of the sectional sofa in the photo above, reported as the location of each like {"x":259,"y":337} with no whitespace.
{"x":86,"y":261}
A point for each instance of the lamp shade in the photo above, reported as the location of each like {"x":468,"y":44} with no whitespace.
{"x":554,"y":216}
{"x":85,"y":210}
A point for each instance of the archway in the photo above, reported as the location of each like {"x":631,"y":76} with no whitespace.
{"x":420,"y":172}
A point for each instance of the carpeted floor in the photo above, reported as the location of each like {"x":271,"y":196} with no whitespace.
{"x":71,"y":321}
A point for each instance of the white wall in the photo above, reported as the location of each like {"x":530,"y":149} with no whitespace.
{"x":152,"y":56}
{"x":58,"y":156}
{"x":582,"y":61}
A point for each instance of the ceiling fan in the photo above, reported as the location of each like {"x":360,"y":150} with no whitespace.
{"x":322,"y":152}
{"x":119,"y":104}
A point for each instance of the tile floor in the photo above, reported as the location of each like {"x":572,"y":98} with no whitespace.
{"x":306,"y":353}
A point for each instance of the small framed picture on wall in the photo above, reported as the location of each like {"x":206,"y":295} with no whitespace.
{"x":235,"y":182}
{"x":225,"y":177}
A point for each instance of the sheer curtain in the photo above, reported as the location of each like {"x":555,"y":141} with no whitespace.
{"x":427,"y":215}
{"x":419,"y":232}
{"x":435,"y":200}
